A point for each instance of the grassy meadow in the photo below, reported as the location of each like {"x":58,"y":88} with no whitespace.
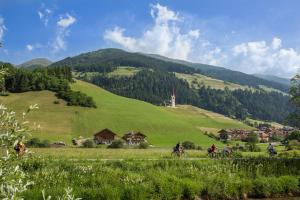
{"x":163,"y":179}
{"x":163,"y":126}
{"x":196,"y":79}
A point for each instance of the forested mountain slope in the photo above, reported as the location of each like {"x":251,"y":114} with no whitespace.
{"x":105,"y":60}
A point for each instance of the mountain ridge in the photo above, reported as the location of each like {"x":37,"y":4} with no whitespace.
{"x":278,"y":79}
{"x":113,"y":57}
{"x":34,"y":63}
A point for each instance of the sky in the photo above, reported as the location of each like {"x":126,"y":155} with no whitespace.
{"x":252,"y":36}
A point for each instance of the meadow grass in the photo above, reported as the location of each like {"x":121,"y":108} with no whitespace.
{"x":208,"y":81}
{"x":163,"y":126}
{"x":163,"y":179}
{"x":123,"y":71}
{"x":129,"y":153}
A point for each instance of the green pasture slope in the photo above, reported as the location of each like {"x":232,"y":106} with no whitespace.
{"x":163,"y":126}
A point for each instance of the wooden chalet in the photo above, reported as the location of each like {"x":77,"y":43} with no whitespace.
{"x":105,"y":136}
{"x":134,"y":138}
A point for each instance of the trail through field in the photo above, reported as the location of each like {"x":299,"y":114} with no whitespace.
{"x":160,"y":159}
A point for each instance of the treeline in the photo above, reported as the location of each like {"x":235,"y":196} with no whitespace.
{"x":238,"y":77}
{"x":56,"y":79}
{"x":156,"y":87}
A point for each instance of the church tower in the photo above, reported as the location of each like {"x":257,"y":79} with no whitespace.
{"x":173,"y":99}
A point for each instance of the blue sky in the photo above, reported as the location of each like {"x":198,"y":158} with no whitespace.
{"x":253,"y":36}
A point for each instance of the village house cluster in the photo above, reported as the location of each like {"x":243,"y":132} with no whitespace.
{"x":107,"y":136}
{"x":264,"y":133}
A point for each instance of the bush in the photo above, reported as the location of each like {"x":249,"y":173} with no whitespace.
{"x":238,"y":147}
{"x":293,"y":145}
{"x":143,"y":145}
{"x":4,"y":94}
{"x":76,"y":98}
{"x":295,"y":135}
{"x":252,"y":147}
{"x":116,"y":144}
{"x":35,"y":142}
{"x":188,"y":145}
{"x":56,"y":102}
{"x":88,"y":143}
{"x":45,"y":144}
{"x":199,"y":148}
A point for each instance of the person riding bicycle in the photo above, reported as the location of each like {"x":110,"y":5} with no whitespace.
{"x":271,"y":149}
{"x":213,"y":148}
{"x":20,"y":148}
{"x":227,"y":149}
{"x":177,"y":147}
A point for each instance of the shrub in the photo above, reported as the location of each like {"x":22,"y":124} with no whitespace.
{"x":144,"y":145}
{"x":238,"y":147}
{"x":116,"y":144}
{"x":45,"y":144}
{"x":56,"y":102}
{"x":88,"y":143}
{"x":199,"y":148}
{"x":293,"y":145}
{"x":188,"y":145}
{"x":36,"y":142}
{"x":4,"y":94}
{"x":33,"y":142}
{"x":252,"y":147}
{"x":295,"y":135}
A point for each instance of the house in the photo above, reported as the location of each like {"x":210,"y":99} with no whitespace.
{"x":134,"y":138}
{"x":238,"y":134}
{"x":224,"y":134}
{"x":105,"y":136}
{"x":263,"y":136}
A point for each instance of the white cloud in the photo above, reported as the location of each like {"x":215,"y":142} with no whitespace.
{"x":63,"y":31}
{"x":29,"y":47}
{"x":44,"y":14}
{"x":259,"y":57}
{"x":276,"y":43}
{"x":2,"y":28}
{"x":66,"y":21}
{"x":165,"y":37}
{"x":168,"y":37}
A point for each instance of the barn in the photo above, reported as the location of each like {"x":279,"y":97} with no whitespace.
{"x":105,"y":136}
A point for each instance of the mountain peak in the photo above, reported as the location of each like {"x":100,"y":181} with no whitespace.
{"x":37,"y":62}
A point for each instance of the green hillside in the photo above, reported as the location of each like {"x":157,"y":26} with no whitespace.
{"x":34,"y":63}
{"x":198,"y":80}
{"x":163,"y":126}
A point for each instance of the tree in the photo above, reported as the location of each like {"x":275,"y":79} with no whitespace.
{"x":294,"y":117}
{"x":252,"y":140}
{"x":295,"y":135}
{"x":13,"y":180}
{"x":188,"y":145}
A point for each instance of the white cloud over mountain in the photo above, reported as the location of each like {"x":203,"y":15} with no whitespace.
{"x":164,"y":37}
{"x":167,"y":36}
{"x":261,"y":57}
{"x":63,"y":31}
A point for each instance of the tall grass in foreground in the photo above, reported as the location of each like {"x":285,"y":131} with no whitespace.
{"x":165,"y":179}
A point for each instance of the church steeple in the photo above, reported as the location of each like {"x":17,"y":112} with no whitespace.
{"x":173,"y":99}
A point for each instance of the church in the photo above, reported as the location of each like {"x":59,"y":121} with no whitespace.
{"x":173,"y":100}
